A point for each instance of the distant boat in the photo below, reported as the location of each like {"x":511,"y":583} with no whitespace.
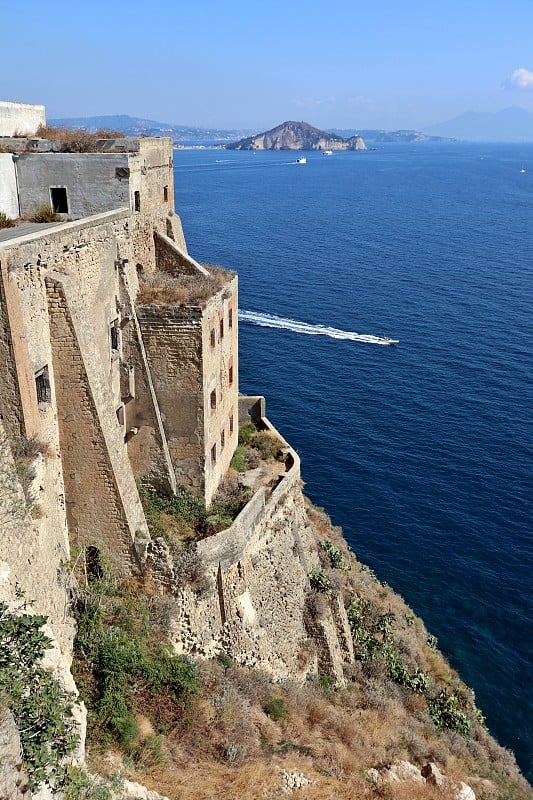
{"x":388,"y":340}
{"x":301,"y":160}
{"x":328,"y":152}
{"x":522,"y":170}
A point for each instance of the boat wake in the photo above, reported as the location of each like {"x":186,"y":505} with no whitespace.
{"x":273,"y":321}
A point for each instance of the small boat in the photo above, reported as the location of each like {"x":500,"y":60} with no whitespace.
{"x":301,"y":160}
{"x":522,"y":170}
{"x":328,"y":152}
{"x":388,"y":340}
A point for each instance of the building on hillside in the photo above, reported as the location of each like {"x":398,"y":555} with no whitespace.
{"x":117,"y":348}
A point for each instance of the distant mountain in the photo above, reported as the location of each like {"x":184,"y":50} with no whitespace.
{"x":137,"y":126}
{"x":510,"y":125}
{"x":297,"y":136}
{"x":379,"y":135}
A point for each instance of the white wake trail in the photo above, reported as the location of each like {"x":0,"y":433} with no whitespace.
{"x":273,"y":321}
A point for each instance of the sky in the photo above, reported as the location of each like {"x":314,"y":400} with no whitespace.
{"x":245,"y":65}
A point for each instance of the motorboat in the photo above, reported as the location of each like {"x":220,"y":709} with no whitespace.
{"x":388,"y":340}
{"x":328,"y":152}
{"x":301,"y":160}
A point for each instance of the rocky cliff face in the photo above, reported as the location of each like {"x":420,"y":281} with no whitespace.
{"x":298,"y":136}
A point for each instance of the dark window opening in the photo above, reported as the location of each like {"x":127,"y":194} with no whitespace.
{"x":58,"y":198}
{"x":230,"y":376}
{"x":222,"y":438}
{"x":137,"y":200}
{"x":231,"y":423}
{"x":115,"y":337}
{"x":122,"y":172}
{"x":230,"y":318}
{"x":42,"y":386}
{"x":213,"y":399}
{"x":221,"y":329}
{"x":93,"y":564}
{"x":214,"y":454}
{"x":212,"y":337}
{"x":165,"y":194}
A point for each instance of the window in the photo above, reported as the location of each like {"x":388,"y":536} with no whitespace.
{"x":231,"y":423}
{"x":230,"y":375}
{"x":137,"y":200}
{"x":221,"y":329}
{"x":230,"y":318}
{"x":42,"y":386}
{"x":165,"y":194}
{"x":58,"y":199}
{"x":213,"y":399}
{"x":222,"y":439}
{"x":212,"y":337}
{"x":214,"y":454}
{"x":115,"y":337}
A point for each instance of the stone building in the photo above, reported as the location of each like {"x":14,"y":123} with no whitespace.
{"x":117,"y":386}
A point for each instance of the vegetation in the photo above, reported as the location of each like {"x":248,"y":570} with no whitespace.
{"x":76,"y":141}
{"x":45,"y":213}
{"x":183,"y":517}
{"x":5,"y":221}
{"x":164,"y":289}
{"x":254,"y":447}
{"x":43,"y":718}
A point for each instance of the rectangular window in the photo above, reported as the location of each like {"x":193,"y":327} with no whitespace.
{"x":213,"y":399}
{"x":221,"y":329}
{"x":214,"y":454}
{"x":231,"y":423}
{"x":42,"y":386}
{"x":137,"y":200}
{"x":230,"y":318}
{"x":230,"y":375}
{"x":212,"y":337}
{"x":222,"y":439}
{"x":165,"y":194}
{"x":58,"y":199}
{"x":115,"y":338}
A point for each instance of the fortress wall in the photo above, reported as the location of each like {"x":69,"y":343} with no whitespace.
{"x":94,"y":183}
{"x":22,"y":118}
{"x":8,"y":186}
{"x":172,"y":338}
{"x":81,"y":260}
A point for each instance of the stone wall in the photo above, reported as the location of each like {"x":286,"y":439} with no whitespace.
{"x":20,"y":118}
{"x":9,"y":203}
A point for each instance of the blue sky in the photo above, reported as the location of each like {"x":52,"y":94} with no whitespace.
{"x":252,"y":65}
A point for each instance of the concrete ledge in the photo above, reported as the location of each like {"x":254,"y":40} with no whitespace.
{"x":57,"y":229}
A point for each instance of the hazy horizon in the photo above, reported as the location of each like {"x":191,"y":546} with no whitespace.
{"x":389,"y":66}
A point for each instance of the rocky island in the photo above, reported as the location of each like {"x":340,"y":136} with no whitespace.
{"x":297,"y":136}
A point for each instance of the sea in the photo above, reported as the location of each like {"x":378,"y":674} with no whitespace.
{"x":423,"y":450}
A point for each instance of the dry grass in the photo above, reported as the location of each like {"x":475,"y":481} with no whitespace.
{"x":162,"y":289}
{"x":77,"y":141}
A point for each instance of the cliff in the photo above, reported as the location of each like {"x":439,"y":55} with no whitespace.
{"x":163,"y":579}
{"x":297,"y":136}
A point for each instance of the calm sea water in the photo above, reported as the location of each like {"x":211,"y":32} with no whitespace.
{"x":421,"y":451}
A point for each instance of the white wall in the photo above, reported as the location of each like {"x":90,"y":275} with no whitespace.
{"x":8,"y":186}
{"x":20,"y":118}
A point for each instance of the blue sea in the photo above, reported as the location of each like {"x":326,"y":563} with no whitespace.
{"x":421,"y":451}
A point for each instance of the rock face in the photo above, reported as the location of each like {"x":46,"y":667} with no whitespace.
{"x":298,"y":136}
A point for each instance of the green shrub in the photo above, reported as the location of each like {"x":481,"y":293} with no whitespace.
{"x":447,"y":710}
{"x":246,"y":433}
{"x":5,"y":221}
{"x":335,"y":556}
{"x":276,"y":708}
{"x":238,"y":461}
{"x":320,"y":582}
{"x":41,"y":708}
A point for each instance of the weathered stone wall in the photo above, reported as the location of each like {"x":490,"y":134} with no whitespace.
{"x":94,"y":183}
{"x":255,"y":601}
{"x":8,"y":186}
{"x":22,"y":118}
